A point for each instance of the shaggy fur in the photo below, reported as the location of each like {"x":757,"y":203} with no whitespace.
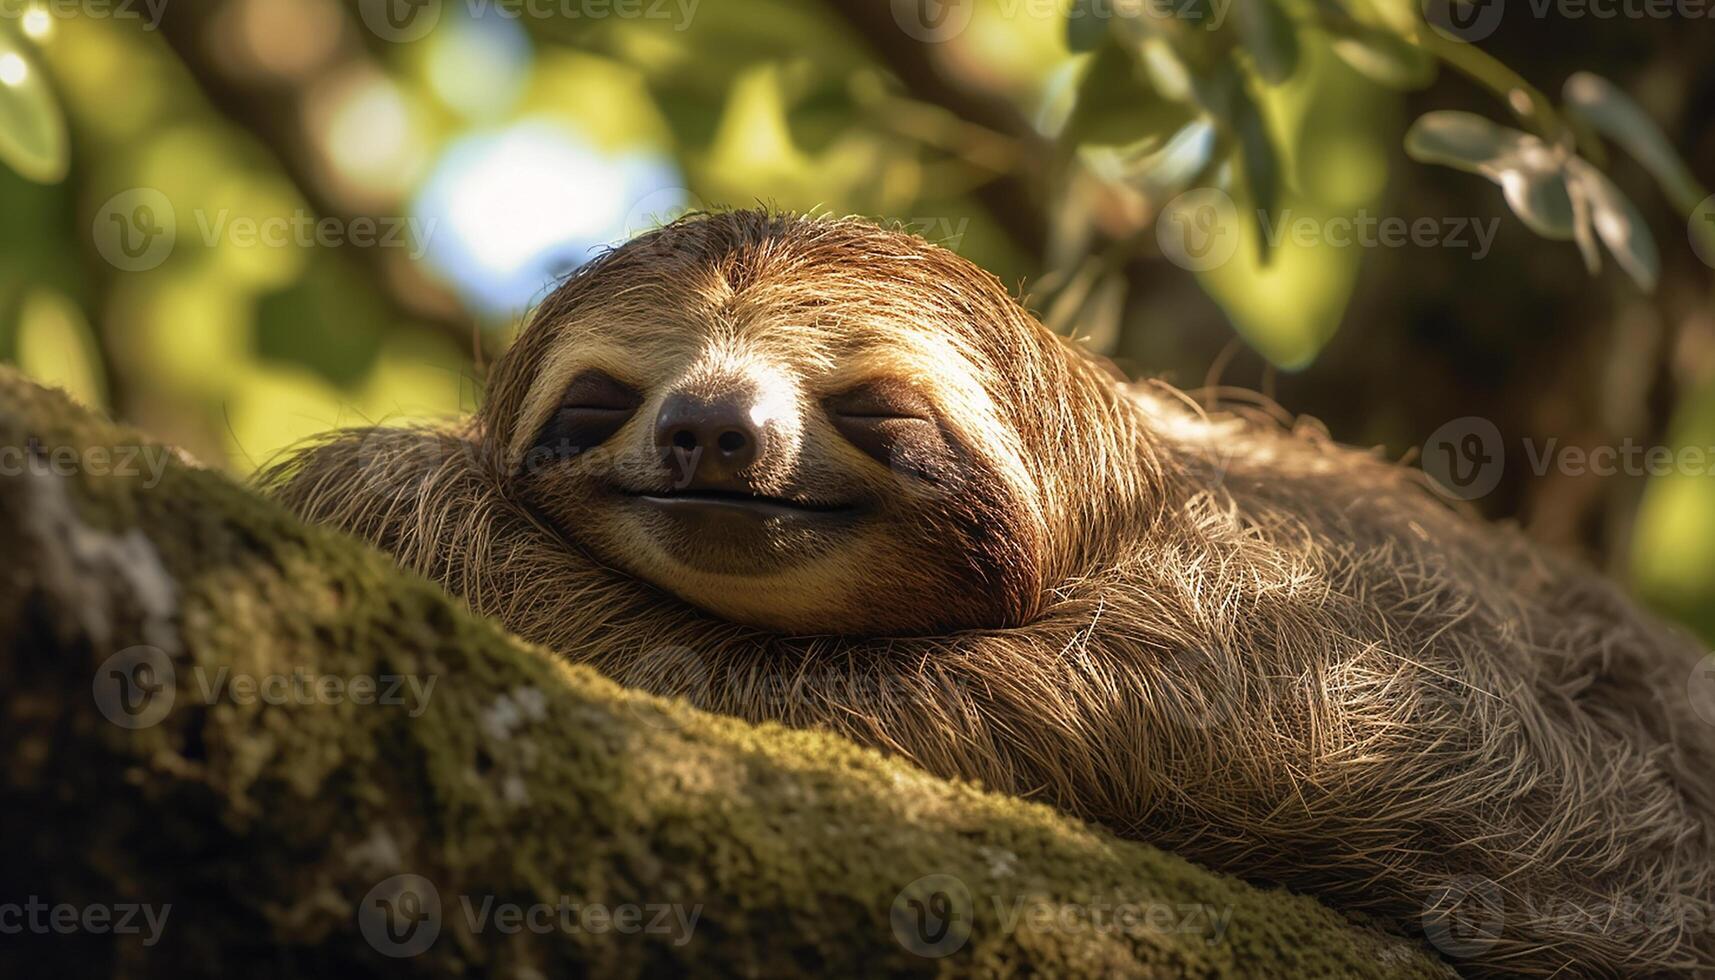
{"x":1278,"y":656}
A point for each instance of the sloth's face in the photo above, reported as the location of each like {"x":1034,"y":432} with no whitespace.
{"x":781,"y":458}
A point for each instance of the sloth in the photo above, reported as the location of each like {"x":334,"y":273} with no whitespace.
{"x":824,"y":473}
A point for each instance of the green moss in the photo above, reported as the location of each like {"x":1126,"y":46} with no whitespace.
{"x":518,"y":778}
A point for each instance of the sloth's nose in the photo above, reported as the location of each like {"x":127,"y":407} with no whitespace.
{"x":716,"y":434}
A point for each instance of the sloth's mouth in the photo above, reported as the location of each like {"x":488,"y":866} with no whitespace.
{"x":730,"y":532}
{"x":716,"y":503}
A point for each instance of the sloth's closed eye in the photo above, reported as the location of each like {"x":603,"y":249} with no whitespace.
{"x":886,"y":419}
{"x":882,"y":400}
{"x":600,"y":391}
{"x":594,"y":406}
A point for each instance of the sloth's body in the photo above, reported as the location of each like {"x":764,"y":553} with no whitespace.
{"x":843,"y":481}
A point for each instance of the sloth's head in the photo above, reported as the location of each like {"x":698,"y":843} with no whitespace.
{"x":804,"y":425}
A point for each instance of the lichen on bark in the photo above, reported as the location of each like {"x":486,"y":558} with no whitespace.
{"x":321,"y":724}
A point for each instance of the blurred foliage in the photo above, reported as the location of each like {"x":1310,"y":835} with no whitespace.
{"x":186,"y":203}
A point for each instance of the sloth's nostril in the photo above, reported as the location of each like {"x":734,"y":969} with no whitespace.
{"x":685,"y":439}
{"x":731,"y":441}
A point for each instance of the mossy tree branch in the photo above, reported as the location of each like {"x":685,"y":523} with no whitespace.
{"x":265,"y":827}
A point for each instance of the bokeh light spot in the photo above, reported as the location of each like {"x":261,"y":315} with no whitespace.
{"x":506,"y":213}
{"x":367,"y":130}
{"x":37,"y":24}
{"x":13,"y":70}
{"x":479,"y":66}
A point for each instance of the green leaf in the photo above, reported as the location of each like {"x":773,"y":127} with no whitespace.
{"x":1270,"y":38}
{"x":1118,"y":106}
{"x":1401,"y":18}
{"x":32,"y":129}
{"x":1673,"y":543}
{"x":1583,"y":233}
{"x":1085,"y":26}
{"x":1463,"y":140}
{"x":1157,"y":171}
{"x":1611,"y":112}
{"x":1383,"y":58}
{"x":1260,"y":163}
{"x":1531,"y":174}
{"x":1618,"y":224}
{"x":1290,"y":308}
{"x":1538,"y":195}
{"x":1557,"y":194}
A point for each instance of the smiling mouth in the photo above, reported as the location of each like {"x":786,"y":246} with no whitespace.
{"x":714,"y":503}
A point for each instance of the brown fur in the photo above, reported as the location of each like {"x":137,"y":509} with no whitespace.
{"x":1277,"y":656}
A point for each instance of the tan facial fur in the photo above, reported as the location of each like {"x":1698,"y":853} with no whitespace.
{"x":899,"y":548}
